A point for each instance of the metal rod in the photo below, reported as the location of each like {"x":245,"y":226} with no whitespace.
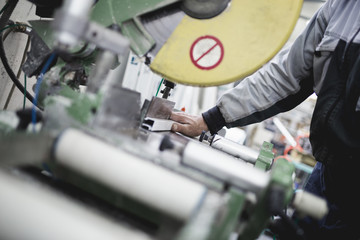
{"x":224,"y":167}
{"x":237,"y":150}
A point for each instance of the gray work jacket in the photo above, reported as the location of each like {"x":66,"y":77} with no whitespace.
{"x":283,"y":83}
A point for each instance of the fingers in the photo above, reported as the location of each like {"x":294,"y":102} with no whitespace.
{"x":177,"y":127}
{"x":180,"y":117}
{"x":186,"y":124}
{"x":185,"y":129}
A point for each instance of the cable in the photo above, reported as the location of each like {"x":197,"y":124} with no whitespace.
{"x":38,"y":84}
{"x":24,"y":91}
{"x":18,"y":74}
{"x":7,"y":33}
{"x":159,"y":87}
{"x":3,"y":21}
{"x":4,"y":7}
{"x":11,"y":74}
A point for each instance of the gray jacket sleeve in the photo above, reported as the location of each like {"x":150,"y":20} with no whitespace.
{"x":278,"y":86}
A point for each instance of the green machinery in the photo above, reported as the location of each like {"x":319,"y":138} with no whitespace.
{"x":85,"y":168}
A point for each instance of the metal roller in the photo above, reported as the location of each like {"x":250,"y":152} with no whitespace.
{"x":224,"y":167}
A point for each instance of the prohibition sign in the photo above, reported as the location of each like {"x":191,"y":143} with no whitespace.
{"x":206,"y":52}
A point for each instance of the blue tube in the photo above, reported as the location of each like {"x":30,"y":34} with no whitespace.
{"x":37,"y":87}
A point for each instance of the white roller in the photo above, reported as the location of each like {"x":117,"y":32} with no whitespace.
{"x":32,"y":212}
{"x":224,"y":167}
{"x":310,"y":204}
{"x":144,"y":181}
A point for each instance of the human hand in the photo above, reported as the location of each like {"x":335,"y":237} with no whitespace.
{"x":188,"y":125}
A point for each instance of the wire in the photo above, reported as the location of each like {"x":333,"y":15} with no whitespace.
{"x":18,"y":74}
{"x":37,"y":87}
{"x":159,"y":87}
{"x":6,"y":33}
{"x":24,"y":91}
{"x":4,"y":7}
{"x":11,"y":73}
{"x":6,"y":12}
{"x":4,"y":18}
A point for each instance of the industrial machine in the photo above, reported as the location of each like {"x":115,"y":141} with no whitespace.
{"x":99,"y":164}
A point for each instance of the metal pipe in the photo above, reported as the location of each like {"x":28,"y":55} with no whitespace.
{"x":64,"y":29}
{"x":224,"y":167}
{"x":237,"y":150}
{"x":104,"y":63}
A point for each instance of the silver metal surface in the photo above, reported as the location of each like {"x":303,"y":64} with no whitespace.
{"x":224,"y":167}
{"x":160,"y":108}
{"x":104,"y":62}
{"x":107,"y":39}
{"x":35,"y":149}
{"x":119,"y":111}
{"x":160,"y":25}
{"x":157,"y":124}
{"x":237,"y":150}
{"x":71,"y":28}
{"x":64,"y":26}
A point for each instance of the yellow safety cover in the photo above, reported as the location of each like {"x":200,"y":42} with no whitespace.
{"x":228,"y":47}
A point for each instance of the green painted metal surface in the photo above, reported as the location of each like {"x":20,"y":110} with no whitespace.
{"x":83,"y":108}
{"x":5,"y":128}
{"x":44,"y":30}
{"x":107,"y":12}
{"x":265,"y":157}
{"x":281,"y":174}
{"x":126,"y":14}
{"x":226,"y":223}
{"x":259,"y":215}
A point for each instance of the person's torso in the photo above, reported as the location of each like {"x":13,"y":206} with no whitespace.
{"x":343,"y":24}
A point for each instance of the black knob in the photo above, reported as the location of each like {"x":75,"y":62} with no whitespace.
{"x":203,"y":136}
{"x":166,"y":143}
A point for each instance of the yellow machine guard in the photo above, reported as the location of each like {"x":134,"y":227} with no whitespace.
{"x":228,"y":47}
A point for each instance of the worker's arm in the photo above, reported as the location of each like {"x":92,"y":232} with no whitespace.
{"x":278,"y":86}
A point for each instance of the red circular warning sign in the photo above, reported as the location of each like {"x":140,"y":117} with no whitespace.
{"x":207,"y":52}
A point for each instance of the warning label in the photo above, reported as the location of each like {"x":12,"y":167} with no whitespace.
{"x":207,"y":52}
